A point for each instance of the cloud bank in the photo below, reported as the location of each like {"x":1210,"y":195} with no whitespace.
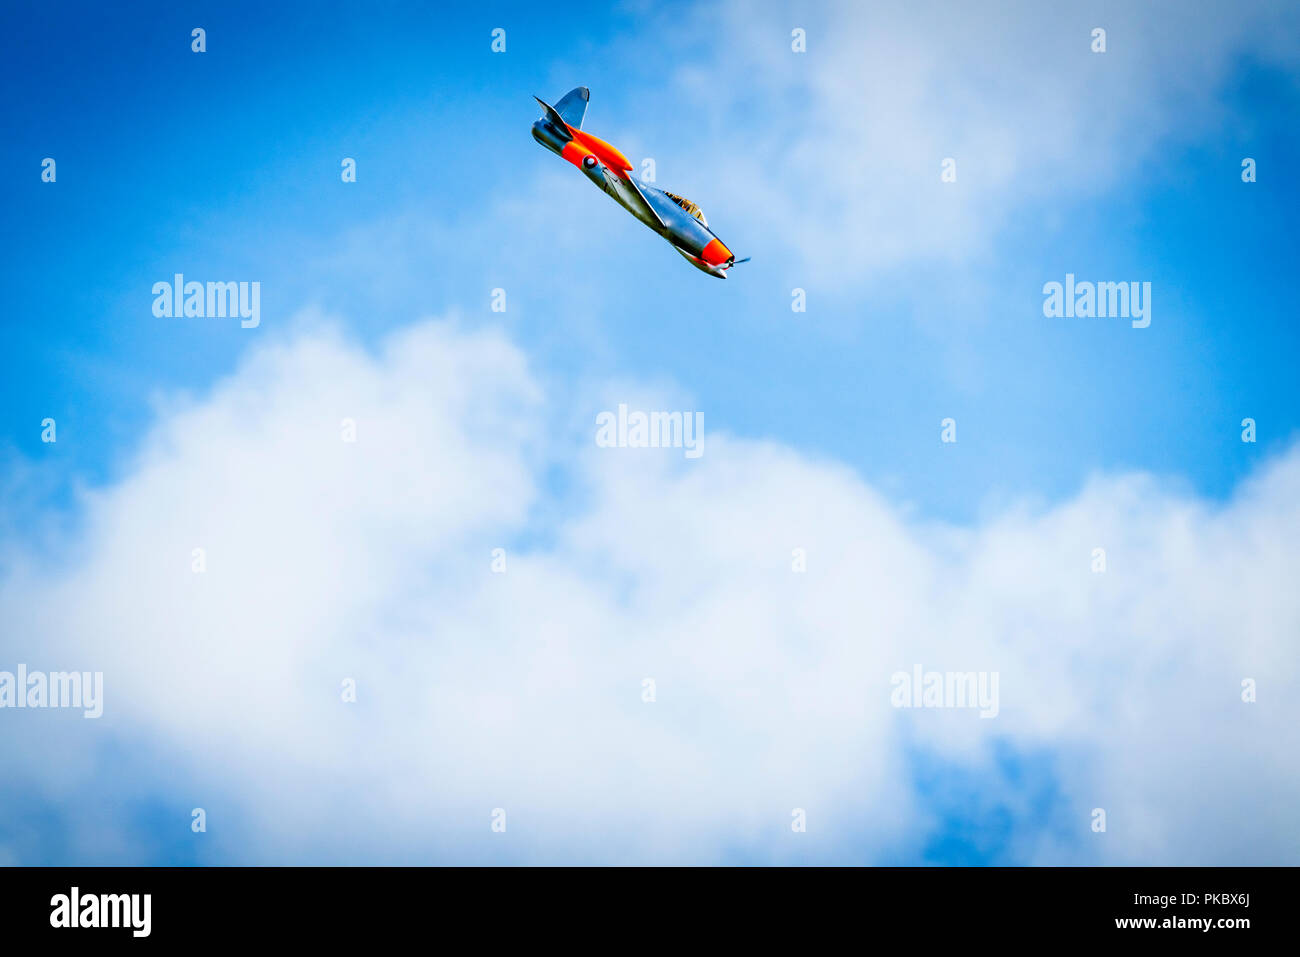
{"x":837,"y":151}
{"x":523,"y":689}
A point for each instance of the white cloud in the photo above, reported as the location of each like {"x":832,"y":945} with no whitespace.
{"x":476,"y":690}
{"x":834,"y":154}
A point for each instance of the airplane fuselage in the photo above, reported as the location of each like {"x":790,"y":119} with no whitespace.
{"x":610,"y":170}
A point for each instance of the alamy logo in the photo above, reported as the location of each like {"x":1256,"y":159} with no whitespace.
{"x":213,"y":300}
{"x":102,"y":910}
{"x":946,"y":689}
{"x":58,"y":689}
{"x":651,"y":430}
{"x":1101,"y":300}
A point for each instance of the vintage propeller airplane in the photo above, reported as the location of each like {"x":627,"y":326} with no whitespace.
{"x":673,"y":217}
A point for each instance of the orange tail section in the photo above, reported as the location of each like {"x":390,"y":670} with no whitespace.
{"x":603,"y":151}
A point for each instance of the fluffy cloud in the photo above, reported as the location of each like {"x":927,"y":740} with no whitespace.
{"x":836,"y":152}
{"x":522,"y":690}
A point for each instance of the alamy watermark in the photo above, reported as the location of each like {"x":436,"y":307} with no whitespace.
{"x":213,"y":300}
{"x":1100,"y":300}
{"x":57,"y":689}
{"x":75,"y":909}
{"x":651,"y":430}
{"x":945,"y":689}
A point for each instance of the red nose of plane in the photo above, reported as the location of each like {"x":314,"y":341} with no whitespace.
{"x":715,"y":254}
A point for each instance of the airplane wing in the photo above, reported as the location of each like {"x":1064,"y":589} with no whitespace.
{"x":644,"y":203}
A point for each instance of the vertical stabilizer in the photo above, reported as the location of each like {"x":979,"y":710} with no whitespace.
{"x":573,"y":106}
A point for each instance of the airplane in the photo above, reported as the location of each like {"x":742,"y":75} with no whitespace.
{"x":673,"y":217}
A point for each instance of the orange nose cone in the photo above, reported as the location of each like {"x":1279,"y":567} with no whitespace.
{"x":715,"y":254}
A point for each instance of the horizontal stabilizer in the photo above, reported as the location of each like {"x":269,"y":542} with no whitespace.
{"x":556,"y":119}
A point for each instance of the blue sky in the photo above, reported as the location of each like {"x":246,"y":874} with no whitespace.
{"x":226,"y":163}
{"x":924,"y":298}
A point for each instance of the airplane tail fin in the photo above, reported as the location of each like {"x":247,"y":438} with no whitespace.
{"x":573,"y":106}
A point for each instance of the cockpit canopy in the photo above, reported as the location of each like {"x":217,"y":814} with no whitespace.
{"x":687,"y":205}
